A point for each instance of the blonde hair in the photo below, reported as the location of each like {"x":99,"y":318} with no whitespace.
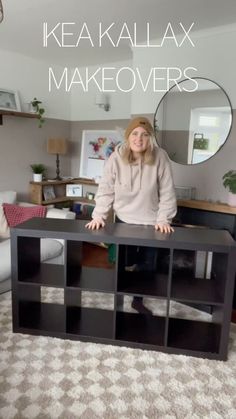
{"x":148,"y":155}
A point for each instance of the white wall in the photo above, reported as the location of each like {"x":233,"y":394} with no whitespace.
{"x":83,"y":106}
{"x":23,"y":143}
{"x":213,"y":55}
{"x":215,"y":58}
{"x":30,"y":78}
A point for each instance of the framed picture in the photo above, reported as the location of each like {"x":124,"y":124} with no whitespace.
{"x":48,"y":193}
{"x":9,"y":100}
{"x":97,"y":146}
{"x":74,"y":190}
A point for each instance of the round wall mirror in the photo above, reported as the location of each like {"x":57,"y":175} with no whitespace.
{"x":193,"y":120}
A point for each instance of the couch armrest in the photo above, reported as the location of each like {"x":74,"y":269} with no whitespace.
{"x":58,"y":213}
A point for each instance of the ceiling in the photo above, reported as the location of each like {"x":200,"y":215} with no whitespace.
{"x":22,"y":28}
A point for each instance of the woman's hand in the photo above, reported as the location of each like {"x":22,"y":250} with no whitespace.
{"x":164,"y":228}
{"x":95,"y":224}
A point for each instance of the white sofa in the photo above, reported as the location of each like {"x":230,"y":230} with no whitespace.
{"x":51,"y":249}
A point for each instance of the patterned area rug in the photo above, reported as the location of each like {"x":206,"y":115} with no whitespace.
{"x":43,"y":377}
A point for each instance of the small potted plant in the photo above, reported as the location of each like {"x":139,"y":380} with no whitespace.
{"x":229,"y":181}
{"x":39,"y":110}
{"x":66,"y":206}
{"x":38,"y":170}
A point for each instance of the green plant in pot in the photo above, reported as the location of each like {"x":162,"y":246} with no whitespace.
{"x":229,"y":182}
{"x":66,"y":206}
{"x":39,"y":110}
{"x":39,"y":171}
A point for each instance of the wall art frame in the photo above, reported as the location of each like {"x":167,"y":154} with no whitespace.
{"x":97,"y":146}
{"x":9,"y":100}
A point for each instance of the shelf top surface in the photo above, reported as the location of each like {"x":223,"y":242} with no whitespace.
{"x":207,"y":206}
{"x":130,"y":234}
{"x":18,"y":113}
{"x":54,"y":182}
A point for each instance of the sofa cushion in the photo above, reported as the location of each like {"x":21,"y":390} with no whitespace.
{"x":4,"y":228}
{"x":59,"y":213}
{"x":16,"y":214}
{"x":50,"y":248}
{"x":5,"y":267}
{"x":8,"y":196}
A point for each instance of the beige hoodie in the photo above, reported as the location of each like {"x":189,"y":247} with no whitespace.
{"x":139,"y":193}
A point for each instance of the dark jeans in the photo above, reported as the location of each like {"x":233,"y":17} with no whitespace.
{"x":142,"y":256}
{"x":145,"y":260}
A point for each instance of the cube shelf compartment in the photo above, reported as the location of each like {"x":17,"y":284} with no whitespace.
{"x":174,"y":280}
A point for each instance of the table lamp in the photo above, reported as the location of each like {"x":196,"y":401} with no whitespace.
{"x":57,"y":146}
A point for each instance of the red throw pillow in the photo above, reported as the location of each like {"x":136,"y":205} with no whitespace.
{"x":16,"y":214}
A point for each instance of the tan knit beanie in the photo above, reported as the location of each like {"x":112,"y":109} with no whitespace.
{"x":139,"y":122}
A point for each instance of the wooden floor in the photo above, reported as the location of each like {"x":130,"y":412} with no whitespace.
{"x":97,"y":256}
{"x":233,"y":318}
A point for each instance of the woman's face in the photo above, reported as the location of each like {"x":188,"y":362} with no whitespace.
{"x":138,"y":140}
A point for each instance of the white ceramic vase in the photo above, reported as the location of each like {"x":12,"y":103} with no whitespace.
{"x":37,"y":177}
{"x":28,"y":107}
{"x":232,"y":199}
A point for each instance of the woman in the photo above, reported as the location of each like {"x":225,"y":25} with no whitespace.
{"x":137,"y":182}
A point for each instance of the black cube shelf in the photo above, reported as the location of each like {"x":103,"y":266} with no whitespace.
{"x":116,"y":326}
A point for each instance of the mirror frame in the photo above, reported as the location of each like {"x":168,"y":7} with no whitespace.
{"x":163,"y":97}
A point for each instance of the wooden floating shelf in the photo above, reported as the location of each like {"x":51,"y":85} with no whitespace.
{"x":53,"y":182}
{"x":68,"y":198}
{"x":19,"y":114}
{"x":207,"y":206}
